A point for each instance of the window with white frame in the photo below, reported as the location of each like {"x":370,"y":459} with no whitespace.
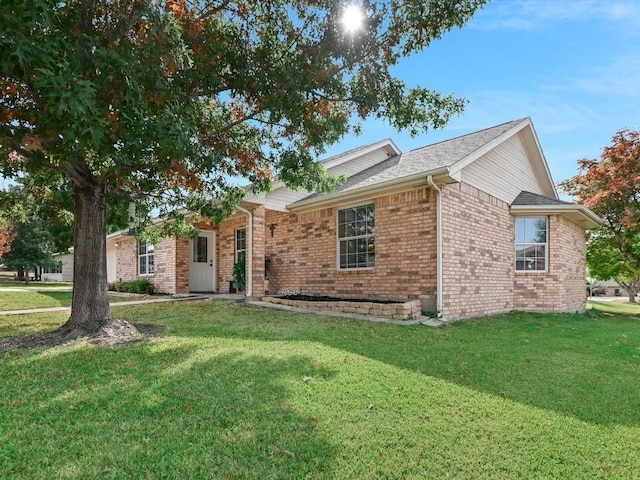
{"x":356,"y":237}
{"x":56,"y":269}
{"x":146,"y":258}
{"x":241,"y":243}
{"x":531,"y":244}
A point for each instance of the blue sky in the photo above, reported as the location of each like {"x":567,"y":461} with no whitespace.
{"x":572,"y":66}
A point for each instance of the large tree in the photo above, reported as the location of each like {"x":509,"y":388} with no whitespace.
{"x":163,"y":101}
{"x":610,"y":186}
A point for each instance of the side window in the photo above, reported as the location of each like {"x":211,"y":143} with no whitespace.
{"x":241,"y":243}
{"x":146,"y":258}
{"x":531,"y":244}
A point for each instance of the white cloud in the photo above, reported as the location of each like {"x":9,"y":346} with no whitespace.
{"x":533,"y":15}
{"x":621,"y":77}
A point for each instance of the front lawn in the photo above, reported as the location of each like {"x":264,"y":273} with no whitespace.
{"x":230,"y":391}
{"x":24,"y":299}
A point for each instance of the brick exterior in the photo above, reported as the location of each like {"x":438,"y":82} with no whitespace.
{"x":127,"y":260}
{"x":226,"y":248}
{"x":562,"y":287}
{"x":164,"y":278}
{"x":303,"y":251}
{"x":478,"y":255}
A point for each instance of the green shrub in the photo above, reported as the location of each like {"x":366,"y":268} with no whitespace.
{"x":239,"y":274}
{"x":141,"y":285}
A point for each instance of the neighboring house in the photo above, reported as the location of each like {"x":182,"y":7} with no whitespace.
{"x":609,"y":288}
{"x":63,"y":272}
{"x":471,"y":226}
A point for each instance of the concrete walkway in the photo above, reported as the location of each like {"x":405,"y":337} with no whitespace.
{"x":176,"y":298}
{"x":421,"y":320}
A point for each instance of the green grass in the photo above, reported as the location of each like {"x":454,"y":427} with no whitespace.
{"x":230,"y":391}
{"x":20,"y":300}
{"x":23,"y":300}
{"x":6,"y":283}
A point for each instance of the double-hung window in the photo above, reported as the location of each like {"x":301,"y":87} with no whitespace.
{"x":146,"y":258}
{"x":241,"y":244}
{"x":356,"y":237}
{"x":532,"y":245}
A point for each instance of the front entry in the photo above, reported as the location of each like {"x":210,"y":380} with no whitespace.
{"x":202,"y":264}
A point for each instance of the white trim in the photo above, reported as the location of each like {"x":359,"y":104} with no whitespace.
{"x":338,"y":239}
{"x":439,"y":268}
{"x":546,"y":245}
{"x":212,"y":235}
{"x":146,"y":256}
{"x":249,"y":252}
{"x":371,"y":191}
{"x":576,"y":213}
{"x":331,"y":162}
{"x":236,"y":242}
{"x":341,"y":158}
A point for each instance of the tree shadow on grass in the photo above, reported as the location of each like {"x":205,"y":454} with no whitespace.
{"x":157,"y":411}
{"x":571,"y":364}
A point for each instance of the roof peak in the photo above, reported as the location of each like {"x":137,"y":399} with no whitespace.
{"x":513,"y":123}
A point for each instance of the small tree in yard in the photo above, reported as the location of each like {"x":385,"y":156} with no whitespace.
{"x":6,"y":236}
{"x":161,"y":101}
{"x":39,"y":228}
{"x":610,"y":187}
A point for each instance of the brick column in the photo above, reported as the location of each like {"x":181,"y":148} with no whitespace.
{"x":258,"y":251}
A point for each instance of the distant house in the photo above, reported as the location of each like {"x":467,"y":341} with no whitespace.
{"x":470,"y":226}
{"x":609,"y":288}
{"x":62,"y":272}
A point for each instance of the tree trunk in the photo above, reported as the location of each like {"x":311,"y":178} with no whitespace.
{"x":90,"y":311}
{"x":633,"y":292}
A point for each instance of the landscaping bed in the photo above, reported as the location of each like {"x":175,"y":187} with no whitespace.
{"x":392,"y":309}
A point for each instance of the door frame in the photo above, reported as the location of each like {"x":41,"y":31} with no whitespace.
{"x":211,"y":234}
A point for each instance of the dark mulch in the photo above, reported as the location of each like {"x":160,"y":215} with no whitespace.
{"x":116,"y":332}
{"x":311,"y":298}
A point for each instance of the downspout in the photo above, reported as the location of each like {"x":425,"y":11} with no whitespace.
{"x":438,"y":245}
{"x":249,"y":253}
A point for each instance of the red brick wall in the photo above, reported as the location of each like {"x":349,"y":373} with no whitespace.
{"x":164,"y":278}
{"x":303,"y":251}
{"x":226,"y":249}
{"x":562,"y":287}
{"x":127,"y":259}
{"x":478,"y":253}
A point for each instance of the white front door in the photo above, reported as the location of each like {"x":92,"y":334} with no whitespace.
{"x":202,"y":264}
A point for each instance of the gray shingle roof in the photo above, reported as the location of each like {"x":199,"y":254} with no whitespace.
{"x":534,"y":199}
{"x":349,"y":152}
{"x":424,"y":159}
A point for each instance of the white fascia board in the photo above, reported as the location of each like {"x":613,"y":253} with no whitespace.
{"x":541,"y":167}
{"x":392,"y":150}
{"x":440,"y":175}
{"x":259,"y":198}
{"x":577,"y":213}
{"x":387,"y":144}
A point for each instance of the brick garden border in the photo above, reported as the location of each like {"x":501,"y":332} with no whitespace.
{"x":395,"y":311}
